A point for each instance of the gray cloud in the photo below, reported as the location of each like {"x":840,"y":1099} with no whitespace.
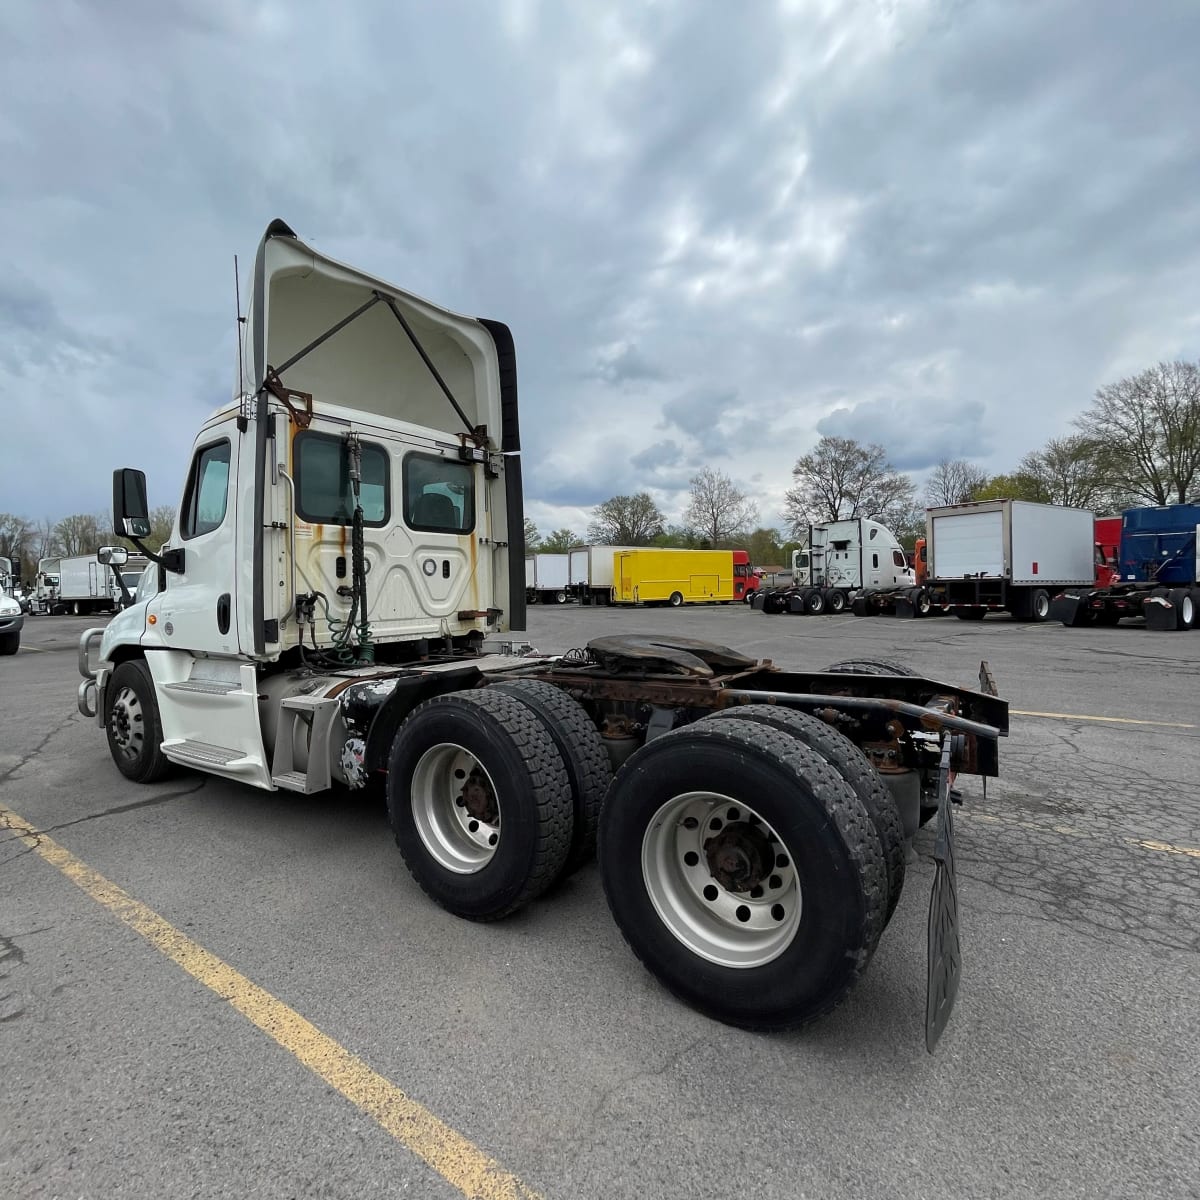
{"x":938,"y":226}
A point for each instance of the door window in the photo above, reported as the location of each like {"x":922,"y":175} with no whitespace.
{"x":324,"y":493}
{"x":874,"y":560}
{"x":439,"y":494}
{"x":207,"y":495}
{"x":898,"y":559}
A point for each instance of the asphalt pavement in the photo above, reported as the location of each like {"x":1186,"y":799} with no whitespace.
{"x":1068,"y":1068}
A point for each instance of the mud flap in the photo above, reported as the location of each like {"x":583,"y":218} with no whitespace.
{"x":903,"y":606}
{"x":945,"y":955}
{"x":1070,"y":609}
{"x":1160,"y":614}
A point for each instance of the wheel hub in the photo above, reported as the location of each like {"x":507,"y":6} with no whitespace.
{"x":739,"y":857}
{"x":478,"y":798}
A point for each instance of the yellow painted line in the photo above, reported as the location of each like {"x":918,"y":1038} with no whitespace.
{"x":1071,"y":831}
{"x":1164,"y":847}
{"x":1016,"y":712}
{"x":445,"y":1150}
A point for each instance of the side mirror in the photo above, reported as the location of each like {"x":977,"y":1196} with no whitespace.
{"x":131,"y":512}
{"x":112,"y":556}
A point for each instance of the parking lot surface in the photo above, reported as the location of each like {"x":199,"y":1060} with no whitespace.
{"x":1068,"y":1068}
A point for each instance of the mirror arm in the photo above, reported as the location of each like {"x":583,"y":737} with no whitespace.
{"x":171,"y":560}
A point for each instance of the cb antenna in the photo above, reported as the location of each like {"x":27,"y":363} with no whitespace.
{"x":237,"y":295}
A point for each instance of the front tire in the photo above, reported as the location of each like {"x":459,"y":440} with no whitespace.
{"x":744,"y":873}
{"x":479,"y":802}
{"x":10,"y":643}
{"x":132,"y":723}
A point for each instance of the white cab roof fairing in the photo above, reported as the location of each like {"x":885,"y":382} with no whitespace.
{"x":370,"y":364}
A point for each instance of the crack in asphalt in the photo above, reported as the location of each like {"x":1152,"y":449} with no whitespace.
{"x":9,"y":772}
{"x":11,"y":955}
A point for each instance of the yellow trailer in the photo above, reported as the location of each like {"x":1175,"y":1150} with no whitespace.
{"x":672,"y":576}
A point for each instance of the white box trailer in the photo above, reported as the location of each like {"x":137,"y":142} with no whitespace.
{"x":1007,"y":555}
{"x":85,"y":585}
{"x":593,"y":574}
{"x":547,"y":578}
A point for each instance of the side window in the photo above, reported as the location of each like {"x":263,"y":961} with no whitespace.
{"x":324,"y":494}
{"x":875,"y":560}
{"x":740,"y":570}
{"x":207,"y":495}
{"x":439,"y":494}
{"x":898,"y":559}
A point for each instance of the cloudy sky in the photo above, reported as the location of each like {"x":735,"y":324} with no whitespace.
{"x":935,"y":225}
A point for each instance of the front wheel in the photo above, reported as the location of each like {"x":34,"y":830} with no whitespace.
{"x":479,"y":802}
{"x":744,"y":872}
{"x":132,"y":723}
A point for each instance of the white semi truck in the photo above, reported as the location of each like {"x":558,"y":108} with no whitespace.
{"x":839,"y":559}
{"x":338,"y":602}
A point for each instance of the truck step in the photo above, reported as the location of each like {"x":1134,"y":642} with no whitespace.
{"x":291,"y":781}
{"x":207,"y":687}
{"x":201,"y":754}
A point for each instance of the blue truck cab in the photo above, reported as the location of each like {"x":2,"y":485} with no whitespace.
{"x":1158,"y":545}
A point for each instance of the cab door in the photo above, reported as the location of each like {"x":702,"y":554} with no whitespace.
{"x":197,"y":610}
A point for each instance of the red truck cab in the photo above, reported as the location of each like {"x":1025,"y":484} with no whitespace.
{"x":745,"y":579}
{"x":1108,"y":546}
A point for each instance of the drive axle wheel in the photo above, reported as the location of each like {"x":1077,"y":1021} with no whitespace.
{"x":835,"y":600}
{"x":814,"y":602}
{"x":132,"y":724}
{"x":743,"y":871}
{"x":480,"y":803}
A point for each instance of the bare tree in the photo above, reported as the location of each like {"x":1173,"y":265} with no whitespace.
{"x":719,"y":511}
{"x":560,"y":541}
{"x":1147,"y":429}
{"x":79,"y":533}
{"x":842,"y":478}
{"x":46,"y":540}
{"x":16,"y":537}
{"x":626,"y":521}
{"x":953,"y":481}
{"x":533,"y":539}
{"x":1071,"y":471}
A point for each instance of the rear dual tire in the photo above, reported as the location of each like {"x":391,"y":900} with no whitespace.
{"x":744,"y":872}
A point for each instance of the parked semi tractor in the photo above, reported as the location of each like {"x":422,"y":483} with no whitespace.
{"x":1157,"y":576}
{"x":838,"y":560}
{"x":319,"y":618}
{"x":45,"y":586}
{"x":8,"y":578}
{"x":547,"y":578}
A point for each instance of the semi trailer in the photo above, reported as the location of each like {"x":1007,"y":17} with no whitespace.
{"x":321,"y":616}
{"x":1157,"y":577}
{"x":839,"y":559}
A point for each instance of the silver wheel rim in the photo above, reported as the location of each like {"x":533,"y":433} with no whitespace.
{"x":1187,"y":610}
{"x":732,"y":928}
{"x":1041,"y":606}
{"x":127,"y":724}
{"x":456,"y":808}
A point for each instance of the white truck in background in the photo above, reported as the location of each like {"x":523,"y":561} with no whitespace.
{"x":547,"y":578}
{"x":8,"y":580}
{"x":82,"y":585}
{"x":839,"y":559}
{"x":45,"y":586}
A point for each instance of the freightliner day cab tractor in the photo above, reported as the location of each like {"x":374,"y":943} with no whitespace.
{"x":350,"y":533}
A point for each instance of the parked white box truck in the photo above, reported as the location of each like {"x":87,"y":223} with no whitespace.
{"x":547,"y":578}
{"x":1007,"y":555}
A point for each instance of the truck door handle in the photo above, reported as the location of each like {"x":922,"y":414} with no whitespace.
{"x":223,"y":613}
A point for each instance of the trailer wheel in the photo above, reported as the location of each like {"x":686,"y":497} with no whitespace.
{"x":814,"y":602}
{"x":132,"y":724}
{"x":479,"y":802}
{"x":868,"y":666}
{"x":854,"y":767}
{"x":1183,"y":601}
{"x":589,"y":771}
{"x":835,"y":600}
{"x":744,"y":873}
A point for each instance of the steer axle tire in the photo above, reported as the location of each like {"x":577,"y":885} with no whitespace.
{"x":589,"y":771}
{"x":480,"y":802}
{"x":744,"y":872}
{"x":132,"y":723}
{"x":854,"y":767}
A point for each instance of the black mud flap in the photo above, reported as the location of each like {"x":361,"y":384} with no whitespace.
{"x":1160,"y":614}
{"x":1070,"y":609}
{"x":945,"y":954}
{"x":903,"y":606}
